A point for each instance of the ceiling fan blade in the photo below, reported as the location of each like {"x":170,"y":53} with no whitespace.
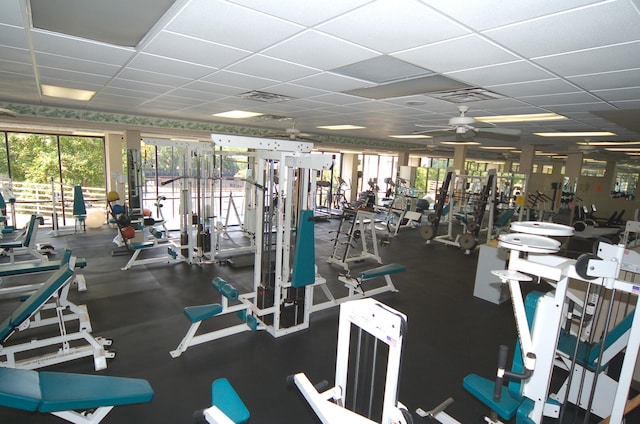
{"x":499,"y":131}
{"x":432,"y":126}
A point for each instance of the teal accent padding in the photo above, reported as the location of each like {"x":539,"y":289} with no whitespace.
{"x":200,"y":312}
{"x":482,"y":389}
{"x":3,"y":204}
{"x":27,"y":237}
{"x":381,"y":271}
{"x":252,"y":322}
{"x":143,"y":245}
{"x":40,"y":296}
{"x":613,"y":335}
{"x":65,"y":391}
{"x":503,"y":218}
{"x":304,"y":259}
{"x":5,"y":329}
{"x":225,"y":289}
{"x":523,"y":412}
{"x":19,"y":389}
{"x":9,"y":270}
{"x":79,"y":208}
{"x":224,"y":396}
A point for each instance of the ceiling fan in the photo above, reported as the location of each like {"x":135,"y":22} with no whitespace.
{"x":293,"y":134}
{"x":467,"y":127}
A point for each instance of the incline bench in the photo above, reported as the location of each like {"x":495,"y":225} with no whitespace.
{"x":37,"y":311}
{"x":62,"y":394}
{"x":19,"y":268}
{"x":26,"y":245}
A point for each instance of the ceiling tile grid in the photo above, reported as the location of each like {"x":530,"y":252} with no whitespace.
{"x":202,"y":55}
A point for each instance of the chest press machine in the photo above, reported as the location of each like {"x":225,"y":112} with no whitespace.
{"x":285,"y":274}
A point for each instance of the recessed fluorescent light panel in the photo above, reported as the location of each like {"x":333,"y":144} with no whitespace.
{"x":622,"y":149}
{"x":67,"y":93}
{"x":497,"y":147}
{"x":410,"y":136}
{"x":340,"y":127}
{"x":576,"y":134}
{"x":530,"y":117}
{"x":460,"y":143}
{"x":237,"y":114}
{"x":608,"y":143}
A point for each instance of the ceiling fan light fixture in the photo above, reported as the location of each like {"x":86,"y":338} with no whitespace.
{"x":576,"y":134}
{"x":530,"y":117}
{"x":410,"y":136}
{"x":237,"y":114}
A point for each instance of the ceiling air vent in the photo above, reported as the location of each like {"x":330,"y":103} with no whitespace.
{"x":466,"y":95}
{"x":274,"y":118}
{"x":262,"y":96}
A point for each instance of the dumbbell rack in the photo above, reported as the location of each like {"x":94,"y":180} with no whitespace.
{"x":361,"y":224}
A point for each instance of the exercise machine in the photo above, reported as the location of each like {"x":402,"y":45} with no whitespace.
{"x":377,"y":332}
{"x":226,"y":406}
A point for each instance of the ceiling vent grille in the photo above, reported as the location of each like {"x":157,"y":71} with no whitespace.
{"x":263,"y":96}
{"x":466,"y":95}
{"x":274,"y":118}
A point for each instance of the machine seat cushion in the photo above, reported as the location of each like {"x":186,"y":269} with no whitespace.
{"x":381,"y":271}
{"x":482,"y":389}
{"x":64,"y":391}
{"x":143,"y":245}
{"x":200,"y":312}
{"x":11,"y":244}
{"x":33,"y":267}
{"x":19,"y":389}
{"x":224,"y":396}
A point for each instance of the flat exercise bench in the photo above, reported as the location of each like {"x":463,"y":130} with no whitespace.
{"x":23,"y":268}
{"x":32,"y":314}
{"x":355,"y":284}
{"x":63,"y":394}
{"x":381,"y":271}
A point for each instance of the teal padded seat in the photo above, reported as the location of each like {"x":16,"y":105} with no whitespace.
{"x":8,"y":270}
{"x":201,"y":312}
{"x":143,"y":245}
{"x":381,"y":271}
{"x":27,"y":238}
{"x":225,"y":398}
{"x":45,"y":391}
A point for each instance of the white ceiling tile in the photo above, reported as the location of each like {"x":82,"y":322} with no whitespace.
{"x":115,"y":92}
{"x":24,"y":69}
{"x":139,"y":86}
{"x":318,"y":50}
{"x":608,"y":80}
{"x":628,"y":104}
{"x":208,"y":87}
{"x":70,"y":64}
{"x":70,"y":83}
{"x":582,"y":107}
{"x":176,"y":101}
{"x":580,"y":29}
{"x":593,"y":61}
{"x":196,"y":94}
{"x":154,"y":63}
{"x":456,"y":55}
{"x":407,"y":22}
{"x":294,"y":90}
{"x":12,"y":36}
{"x":232,"y":25}
{"x":153,"y":77}
{"x":331,"y":82}
{"x":337,"y":99}
{"x":268,"y":67}
{"x":15,"y":55}
{"x":618,"y":95}
{"x":10,"y":12}
{"x":560,"y":99}
{"x":193,"y":50}
{"x":308,"y":12}
{"x":80,"y":49}
{"x":71,"y":76}
{"x":481,"y":15}
{"x":504,"y":73}
{"x":234,"y":79}
{"x":550,"y":86}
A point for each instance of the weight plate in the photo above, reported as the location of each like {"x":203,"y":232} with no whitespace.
{"x":432,"y":218}
{"x":472,"y":226}
{"x":357,"y":234}
{"x":427,"y":232}
{"x":467,"y":241}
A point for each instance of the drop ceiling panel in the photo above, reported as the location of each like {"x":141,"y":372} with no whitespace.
{"x":126,"y":84}
{"x":609,"y":80}
{"x":67,"y":63}
{"x":318,"y":50}
{"x":560,"y":99}
{"x":456,"y":55}
{"x":207,"y":87}
{"x":10,"y":54}
{"x":21,"y":69}
{"x":485,"y":14}
{"x":533,"y":88}
{"x":566,"y":32}
{"x":407,"y":23}
{"x":309,"y":12}
{"x":178,"y":101}
{"x":234,"y":79}
{"x":217,"y":21}
{"x":294,"y":90}
{"x":195,"y":94}
{"x":154,"y":63}
{"x":193,"y":50}
{"x":12,"y":36}
{"x":504,"y":73}
{"x":10,"y":13}
{"x":381,"y":69}
{"x":74,"y":78}
{"x":153,"y":77}
{"x":612,"y":58}
{"x":79,"y":49}
{"x":337,"y":99}
{"x":328,"y":81}
{"x":268,"y":67}
{"x":126,"y":94}
{"x":617,"y":95}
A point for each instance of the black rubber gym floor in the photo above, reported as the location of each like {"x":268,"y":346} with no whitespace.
{"x":451,"y":333}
